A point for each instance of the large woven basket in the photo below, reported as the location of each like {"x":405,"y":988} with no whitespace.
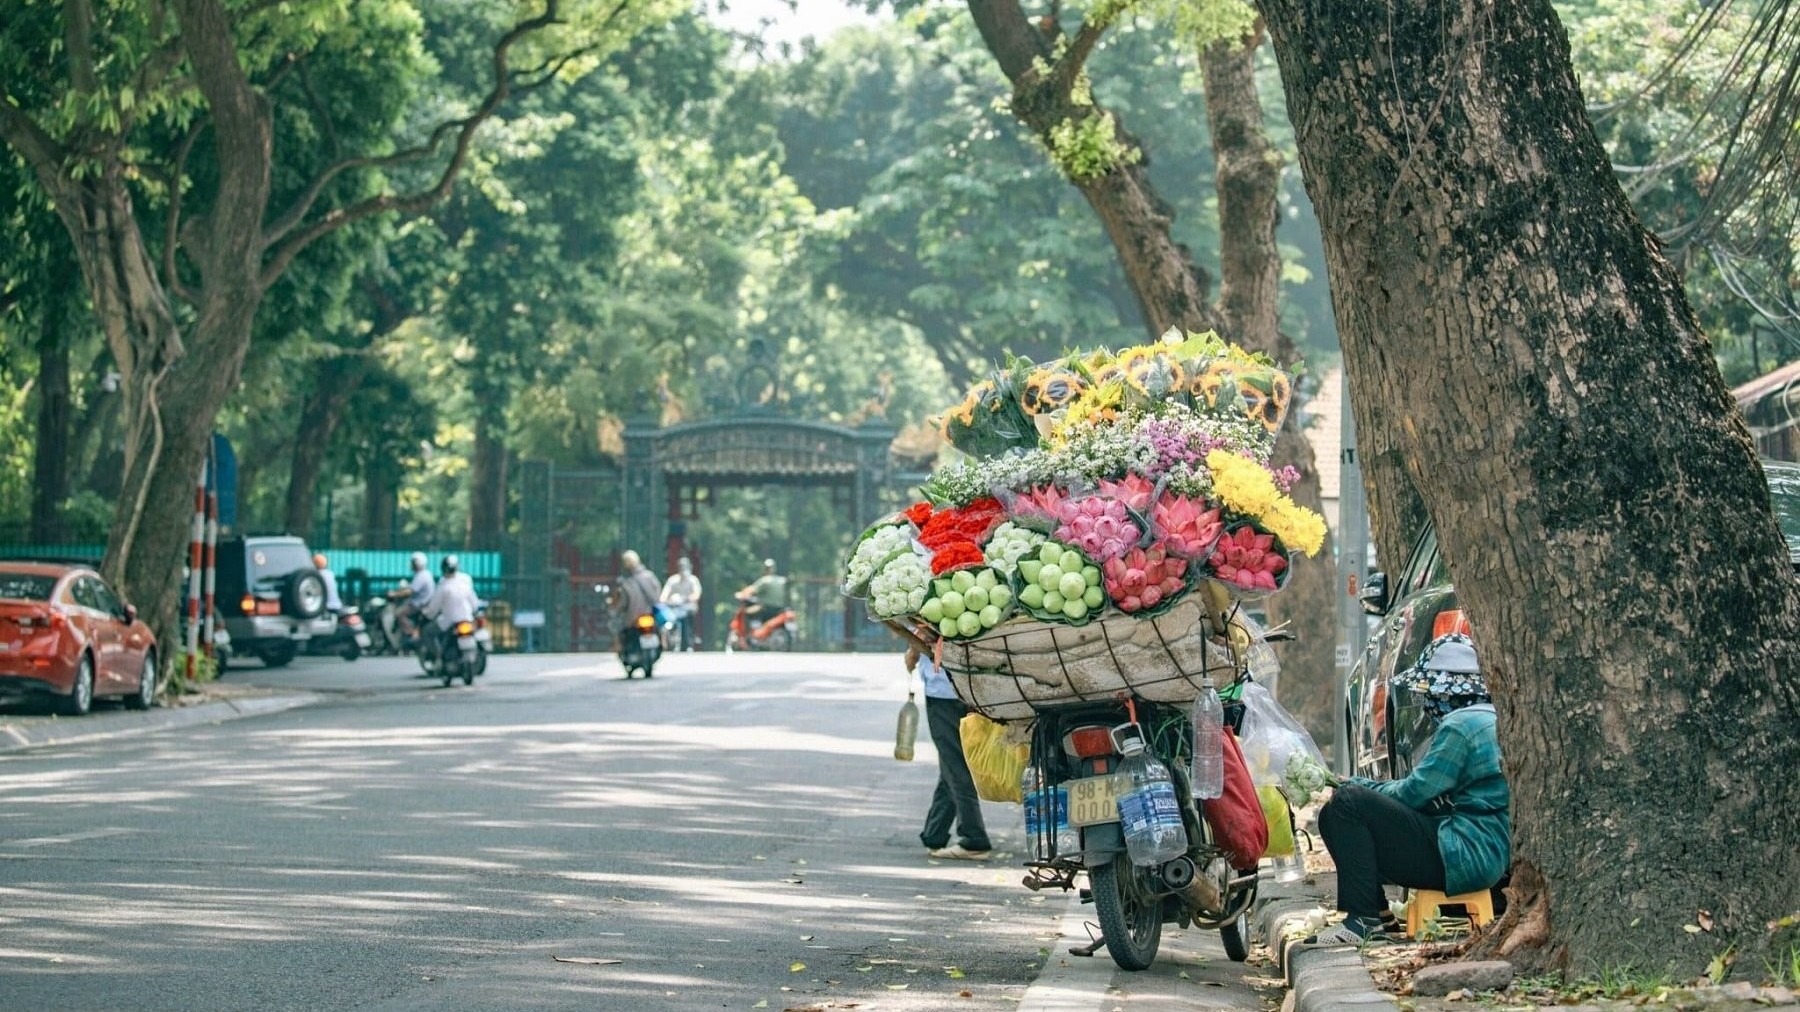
{"x":1024,"y":664}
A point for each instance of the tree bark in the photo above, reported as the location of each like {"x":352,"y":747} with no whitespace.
{"x":335,"y":381}
{"x":487,"y":482}
{"x":1171,"y":288}
{"x":379,"y":503}
{"x":50,"y":458}
{"x":1248,"y":179}
{"x":1512,"y":331}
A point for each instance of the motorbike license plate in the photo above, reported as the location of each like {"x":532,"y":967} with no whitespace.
{"x":1093,"y":800}
{"x":465,"y":642}
{"x":648,"y":641}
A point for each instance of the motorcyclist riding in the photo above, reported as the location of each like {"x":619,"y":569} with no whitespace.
{"x":765,"y":597}
{"x":638,"y":586}
{"x":454,"y":600}
{"x":418,"y":595}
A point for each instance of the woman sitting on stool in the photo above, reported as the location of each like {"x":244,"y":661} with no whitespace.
{"x":1444,"y":827}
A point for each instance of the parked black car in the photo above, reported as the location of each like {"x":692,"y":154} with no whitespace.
{"x":270,"y":597}
{"x":1388,"y":730}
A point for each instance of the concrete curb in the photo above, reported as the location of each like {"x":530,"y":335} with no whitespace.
{"x":1321,"y":978}
{"x":99,"y":727}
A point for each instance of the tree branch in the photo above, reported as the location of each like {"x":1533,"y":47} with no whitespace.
{"x":242,"y":131}
{"x":285,"y":249}
{"x":1009,"y":35}
{"x":37,"y":147}
{"x":1075,"y":57}
{"x":172,"y":226}
{"x":78,"y":42}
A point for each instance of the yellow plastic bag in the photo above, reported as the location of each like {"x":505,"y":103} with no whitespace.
{"x":1280,"y":820}
{"x":995,"y":765}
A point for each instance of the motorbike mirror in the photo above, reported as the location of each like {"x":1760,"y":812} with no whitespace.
{"x":130,"y":613}
{"x":1373,"y":594}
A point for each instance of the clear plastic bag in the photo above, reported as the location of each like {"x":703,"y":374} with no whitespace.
{"x":1270,"y":736}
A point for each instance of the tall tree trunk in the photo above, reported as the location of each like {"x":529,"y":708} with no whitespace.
{"x":335,"y":380}
{"x":50,"y":461}
{"x":487,"y":478}
{"x":1596,"y":495}
{"x":1249,"y":190}
{"x":379,"y":503}
{"x":1171,"y":288}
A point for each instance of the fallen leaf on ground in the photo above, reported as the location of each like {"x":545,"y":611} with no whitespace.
{"x":588,"y":960}
{"x":896,"y":987}
{"x":765,"y":1002}
{"x":796,"y":968}
{"x":1706,"y":920}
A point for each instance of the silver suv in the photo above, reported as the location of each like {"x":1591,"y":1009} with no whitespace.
{"x":271,"y":598}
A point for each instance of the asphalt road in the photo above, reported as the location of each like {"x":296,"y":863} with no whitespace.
{"x":732,"y":834}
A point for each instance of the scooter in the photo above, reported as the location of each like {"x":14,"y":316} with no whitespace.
{"x":348,"y":640}
{"x":460,"y":653}
{"x":383,"y":622}
{"x":772,"y":632}
{"x":1073,"y":823}
{"x":640,"y":646}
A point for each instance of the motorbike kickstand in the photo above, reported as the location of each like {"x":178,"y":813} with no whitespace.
{"x":1095,"y":944}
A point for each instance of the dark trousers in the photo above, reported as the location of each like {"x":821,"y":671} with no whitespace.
{"x":1375,"y":839}
{"x":954,"y":801}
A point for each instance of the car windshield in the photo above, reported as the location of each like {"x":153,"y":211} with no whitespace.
{"x":26,"y":586}
{"x":1784,"y":495}
{"x":271,"y":562}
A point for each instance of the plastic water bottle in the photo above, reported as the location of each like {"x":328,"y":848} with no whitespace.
{"x":1148,"y":807}
{"x":906,"y":731}
{"x":1208,"y":773}
{"x":1051,"y":802}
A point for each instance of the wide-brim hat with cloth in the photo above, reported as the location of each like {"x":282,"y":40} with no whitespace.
{"x":1446,"y":669}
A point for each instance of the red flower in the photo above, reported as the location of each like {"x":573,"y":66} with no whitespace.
{"x":972,"y":523}
{"x":918,"y":513}
{"x":955,"y":555}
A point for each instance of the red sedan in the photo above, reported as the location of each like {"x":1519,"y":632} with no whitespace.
{"x":65,"y":633}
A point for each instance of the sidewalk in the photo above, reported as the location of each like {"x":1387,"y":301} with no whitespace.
{"x":214,"y":703}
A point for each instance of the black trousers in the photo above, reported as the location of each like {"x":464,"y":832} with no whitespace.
{"x":954,"y":802}
{"x":1375,"y":839}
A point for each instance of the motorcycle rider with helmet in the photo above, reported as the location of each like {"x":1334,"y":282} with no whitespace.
{"x":765,"y":597}
{"x":454,"y":600}
{"x":418,"y":595}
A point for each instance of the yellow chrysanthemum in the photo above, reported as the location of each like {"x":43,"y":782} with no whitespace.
{"x":1246,"y":487}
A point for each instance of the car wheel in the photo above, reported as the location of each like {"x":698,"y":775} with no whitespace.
{"x":81,"y":695}
{"x":278,"y":656}
{"x":145,"y":696}
{"x":304,"y":594}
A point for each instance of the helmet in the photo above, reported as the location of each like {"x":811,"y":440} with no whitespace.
{"x":419,"y":561}
{"x":630,"y":560}
{"x":769,"y":564}
{"x":319,"y":561}
{"x":450,"y":564}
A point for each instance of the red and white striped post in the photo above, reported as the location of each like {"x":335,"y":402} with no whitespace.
{"x":209,"y":609}
{"x":196,"y":534}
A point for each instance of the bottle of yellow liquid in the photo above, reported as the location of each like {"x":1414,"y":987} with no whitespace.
{"x":906,"y":731}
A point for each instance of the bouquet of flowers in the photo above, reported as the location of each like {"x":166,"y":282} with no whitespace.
{"x":1306,"y":777}
{"x":1102,"y":483}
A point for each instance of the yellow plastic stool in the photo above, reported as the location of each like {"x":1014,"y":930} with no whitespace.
{"x":1425,"y":903}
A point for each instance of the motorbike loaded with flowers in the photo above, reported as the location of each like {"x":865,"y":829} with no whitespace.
{"x":1079,"y":574}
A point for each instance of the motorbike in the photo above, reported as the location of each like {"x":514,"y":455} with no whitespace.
{"x":383,"y":621}
{"x":462,"y":650}
{"x":771,"y":632}
{"x":1073,"y":827}
{"x":348,"y":640}
{"x":640,"y":646}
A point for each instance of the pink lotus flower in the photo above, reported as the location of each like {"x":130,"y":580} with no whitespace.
{"x":1185,"y":525}
{"x":1134,"y":490}
{"x":1144,"y":578}
{"x":1249,"y":560}
{"x":1098,"y":526}
{"x":1046,"y":501}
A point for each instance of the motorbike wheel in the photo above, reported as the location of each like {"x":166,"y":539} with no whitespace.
{"x":352,"y":650}
{"x":449,"y":675}
{"x":468,"y":673}
{"x":1130,"y":917}
{"x":782,"y":639}
{"x":649,"y":668}
{"x":481,"y":663}
{"x":1236,"y":937}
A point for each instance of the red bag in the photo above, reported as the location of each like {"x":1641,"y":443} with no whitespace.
{"x":1236,"y":816}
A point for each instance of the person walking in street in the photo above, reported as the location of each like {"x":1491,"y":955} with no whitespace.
{"x":954,"y":803}
{"x":682,"y":595}
{"x":1446,"y":826}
